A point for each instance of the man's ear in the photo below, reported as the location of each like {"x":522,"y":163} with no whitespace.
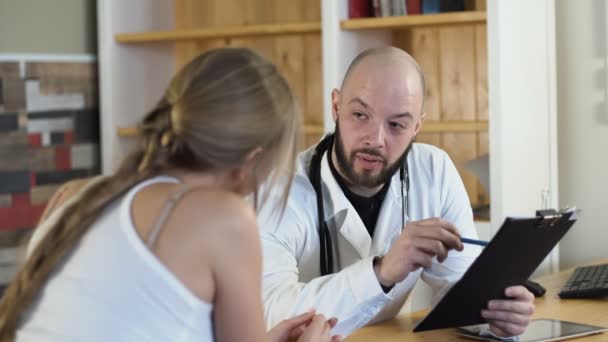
{"x":335,"y":103}
{"x":419,"y":123}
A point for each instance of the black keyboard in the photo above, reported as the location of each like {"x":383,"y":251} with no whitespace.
{"x":587,"y":282}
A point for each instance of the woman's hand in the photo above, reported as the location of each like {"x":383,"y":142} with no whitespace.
{"x":307,"y":327}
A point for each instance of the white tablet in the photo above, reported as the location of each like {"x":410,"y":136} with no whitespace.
{"x":539,"y":330}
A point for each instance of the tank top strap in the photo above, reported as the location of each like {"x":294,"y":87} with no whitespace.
{"x":164,"y":214}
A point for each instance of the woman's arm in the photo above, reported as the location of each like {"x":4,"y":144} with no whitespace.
{"x":237,"y":269}
{"x":212,"y":245}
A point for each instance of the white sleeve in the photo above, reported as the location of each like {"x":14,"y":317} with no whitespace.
{"x":352,"y":295}
{"x":456,"y":209}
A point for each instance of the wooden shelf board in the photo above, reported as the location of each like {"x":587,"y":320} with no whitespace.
{"x":428,"y":127}
{"x":130,"y":132}
{"x":314,"y":129}
{"x":127,"y":131}
{"x":454,"y":126}
{"x":451,"y":18}
{"x":220,"y":32}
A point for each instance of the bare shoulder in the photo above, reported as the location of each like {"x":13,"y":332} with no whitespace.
{"x":64,"y":193}
{"x":217,"y":226}
{"x":225,"y":210}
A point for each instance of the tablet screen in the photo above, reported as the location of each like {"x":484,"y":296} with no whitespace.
{"x":542,"y":330}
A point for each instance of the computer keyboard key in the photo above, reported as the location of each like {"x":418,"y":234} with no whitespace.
{"x":587,"y":282}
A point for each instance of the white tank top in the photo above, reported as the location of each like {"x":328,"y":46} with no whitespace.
{"x":113,"y":288}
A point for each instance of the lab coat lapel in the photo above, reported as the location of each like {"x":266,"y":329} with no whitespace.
{"x":352,"y":229}
{"x":389,"y":225}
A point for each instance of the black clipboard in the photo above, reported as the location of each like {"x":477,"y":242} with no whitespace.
{"x":516,"y":250}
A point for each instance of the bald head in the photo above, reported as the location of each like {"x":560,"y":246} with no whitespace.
{"x":383,"y":58}
{"x":378,"y":111}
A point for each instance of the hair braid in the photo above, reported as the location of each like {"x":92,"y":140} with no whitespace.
{"x":75,"y":221}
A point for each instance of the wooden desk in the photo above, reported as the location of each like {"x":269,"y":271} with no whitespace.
{"x":549,"y":306}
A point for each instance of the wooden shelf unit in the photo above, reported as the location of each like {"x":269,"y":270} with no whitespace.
{"x":428,"y":127}
{"x":282,"y":29}
{"x":452,"y":18}
{"x":451,"y":48}
{"x":454,"y":126}
{"x":131,"y":131}
{"x":127,"y":132}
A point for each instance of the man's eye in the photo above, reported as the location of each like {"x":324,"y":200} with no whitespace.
{"x":359,"y":115}
{"x":396,"y":125}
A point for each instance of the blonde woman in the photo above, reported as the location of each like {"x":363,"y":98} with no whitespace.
{"x":167,"y":248}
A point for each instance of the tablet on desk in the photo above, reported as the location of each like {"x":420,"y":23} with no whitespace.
{"x":539,"y":330}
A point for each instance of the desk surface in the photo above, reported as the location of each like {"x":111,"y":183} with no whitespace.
{"x":549,"y":306}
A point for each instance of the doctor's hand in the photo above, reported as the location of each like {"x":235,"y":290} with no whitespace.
{"x":419,"y":242}
{"x":307,"y":327}
{"x":510,"y":317}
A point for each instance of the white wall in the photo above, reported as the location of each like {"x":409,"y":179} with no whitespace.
{"x":583,"y":126}
{"x":56,"y":26}
{"x":132,"y":78}
{"x":523,"y":110}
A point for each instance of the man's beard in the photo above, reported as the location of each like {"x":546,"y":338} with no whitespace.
{"x":365,"y":178}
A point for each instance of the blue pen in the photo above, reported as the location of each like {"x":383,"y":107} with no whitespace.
{"x":474,"y":242}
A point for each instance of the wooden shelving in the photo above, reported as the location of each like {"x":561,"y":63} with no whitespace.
{"x":452,"y":18}
{"x":314,"y":129}
{"x":131,"y":131}
{"x":454,"y":126}
{"x":431,"y":127}
{"x":220,"y":32}
{"x":451,"y":47}
{"x":126,"y":132}
{"x":428,"y":127}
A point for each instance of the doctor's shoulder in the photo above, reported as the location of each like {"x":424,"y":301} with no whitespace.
{"x":301,"y":192}
{"x":301,"y":202}
{"x":429,"y":159}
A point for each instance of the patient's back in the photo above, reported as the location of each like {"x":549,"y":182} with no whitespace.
{"x":113,"y":288}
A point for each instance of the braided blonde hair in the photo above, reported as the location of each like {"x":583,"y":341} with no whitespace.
{"x":217,"y":109}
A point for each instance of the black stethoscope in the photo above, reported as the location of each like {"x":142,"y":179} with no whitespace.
{"x":314,"y":174}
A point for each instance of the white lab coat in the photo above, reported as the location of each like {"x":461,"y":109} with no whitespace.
{"x":291,"y":274}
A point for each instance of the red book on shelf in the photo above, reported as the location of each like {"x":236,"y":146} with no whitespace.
{"x":359,"y":8}
{"x":414,"y":6}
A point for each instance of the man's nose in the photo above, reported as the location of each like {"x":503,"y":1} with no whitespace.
{"x":375,"y":137}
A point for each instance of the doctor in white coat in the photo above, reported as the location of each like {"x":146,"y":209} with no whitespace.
{"x":393,"y":211}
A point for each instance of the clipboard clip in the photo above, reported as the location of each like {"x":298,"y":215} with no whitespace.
{"x":551,"y":216}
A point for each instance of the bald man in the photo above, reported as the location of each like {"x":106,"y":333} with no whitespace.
{"x":393,"y":211}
